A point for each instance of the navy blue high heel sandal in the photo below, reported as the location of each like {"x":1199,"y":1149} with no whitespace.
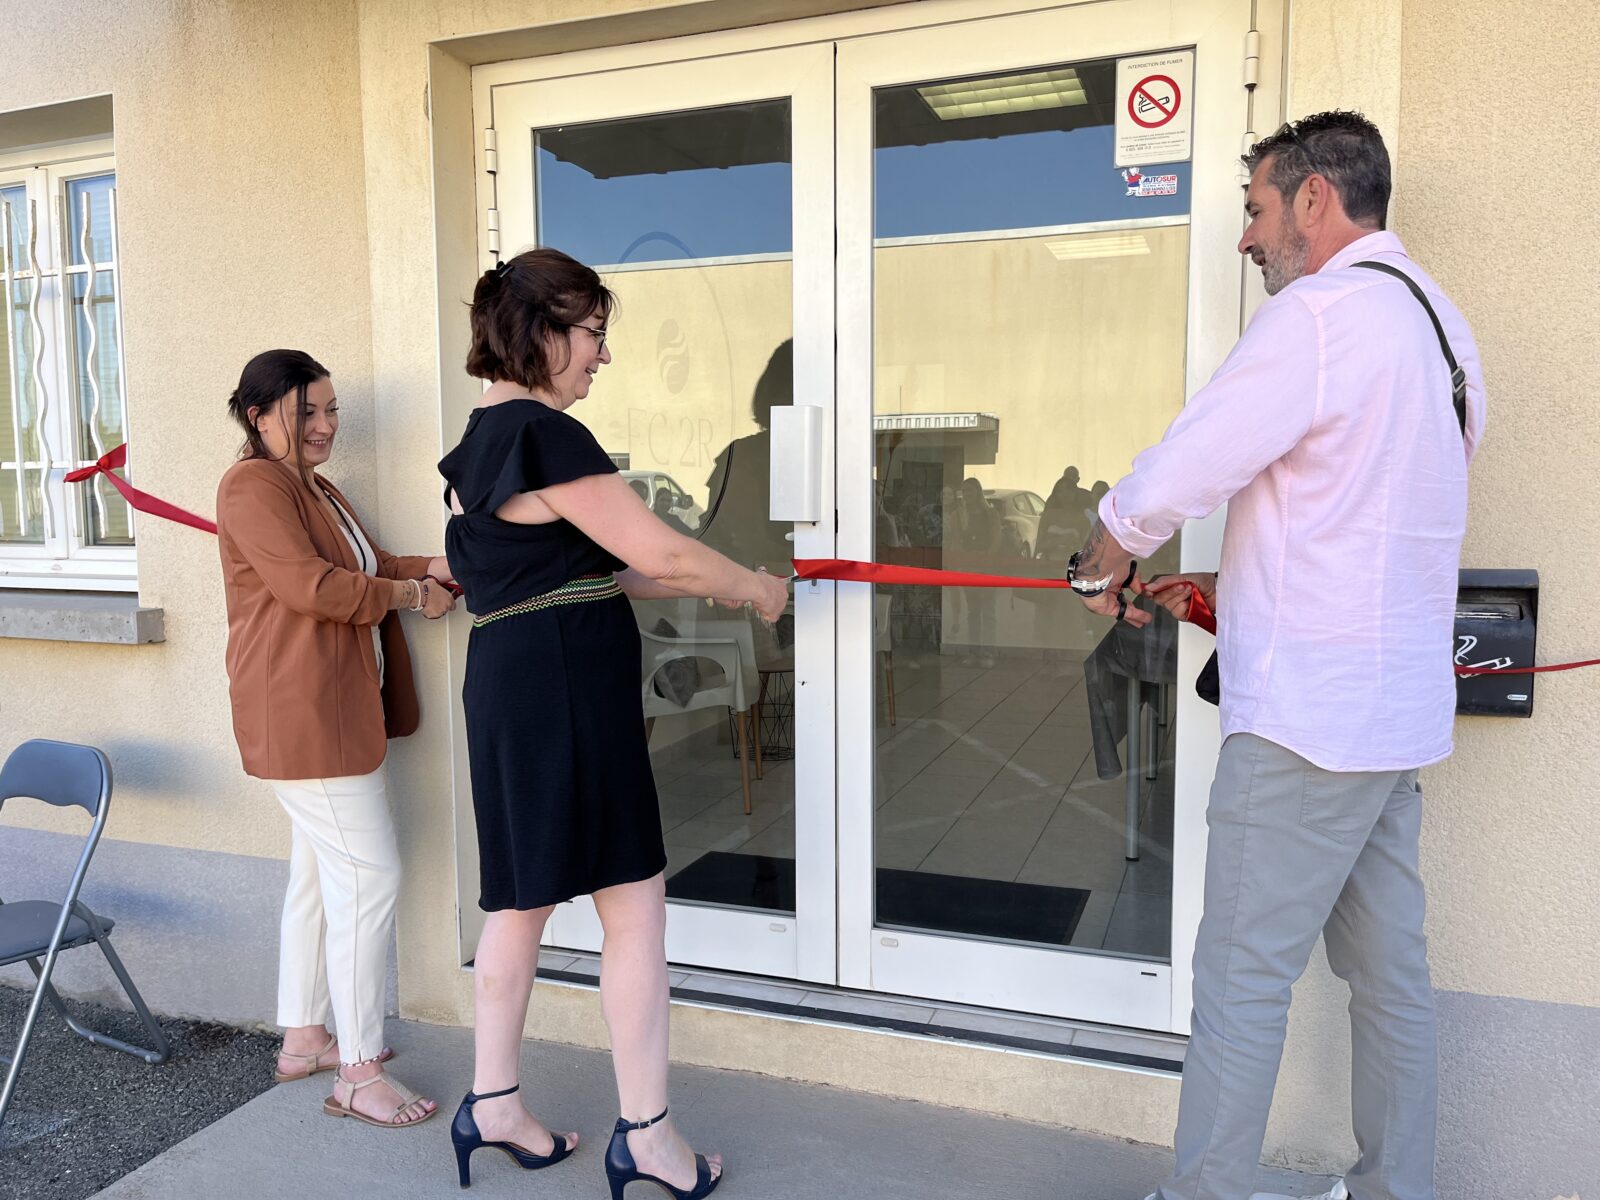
{"x":621,"y":1170}
{"x":465,"y":1137}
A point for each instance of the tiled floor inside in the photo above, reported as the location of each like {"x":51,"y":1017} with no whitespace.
{"x":988,"y":772}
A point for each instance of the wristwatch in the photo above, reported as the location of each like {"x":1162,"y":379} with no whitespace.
{"x":1085,"y":587}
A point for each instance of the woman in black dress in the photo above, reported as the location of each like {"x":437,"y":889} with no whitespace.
{"x":548,"y":542}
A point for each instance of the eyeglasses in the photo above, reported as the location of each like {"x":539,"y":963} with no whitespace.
{"x":599,"y":336}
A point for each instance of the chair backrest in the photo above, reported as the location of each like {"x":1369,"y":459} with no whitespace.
{"x":882,"y":637}
{"x":728,"y":643}
{"x":60,"y":773}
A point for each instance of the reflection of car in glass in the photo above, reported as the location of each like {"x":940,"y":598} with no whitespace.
{"x":1019,"y":518}
{"x":649,"y":484}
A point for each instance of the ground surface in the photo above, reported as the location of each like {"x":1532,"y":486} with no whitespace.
{"x":84,"y":1116}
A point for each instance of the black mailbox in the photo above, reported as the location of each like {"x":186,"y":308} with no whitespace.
{"x":1496,"y":615}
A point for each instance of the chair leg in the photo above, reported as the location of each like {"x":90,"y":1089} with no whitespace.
{"x":28,"y":1022}
{"x":888,"y":670}
{"x":157,"y":1035}
{"x":153,"y":1027}
{"x":755,"y":739}
{"x":742,"y":720}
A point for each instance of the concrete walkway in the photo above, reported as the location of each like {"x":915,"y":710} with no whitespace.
{"x":780,"y":1140}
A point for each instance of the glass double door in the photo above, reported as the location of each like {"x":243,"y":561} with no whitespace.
{"x":974,"y":795}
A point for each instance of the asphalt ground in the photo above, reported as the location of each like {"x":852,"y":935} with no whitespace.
{"x":84,"y":1116}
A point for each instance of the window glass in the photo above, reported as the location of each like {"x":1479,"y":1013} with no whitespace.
{"x":713,"y":183}
{"x":1030,"y":316}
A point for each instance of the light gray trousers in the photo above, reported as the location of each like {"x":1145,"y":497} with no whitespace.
{"x":1295,"y":851}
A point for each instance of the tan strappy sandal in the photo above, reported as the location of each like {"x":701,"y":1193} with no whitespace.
{"x":313,"y":1062}
{"x":331,"y":1106}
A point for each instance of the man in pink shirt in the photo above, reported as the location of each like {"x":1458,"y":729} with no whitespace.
{"x":1331,"y":434}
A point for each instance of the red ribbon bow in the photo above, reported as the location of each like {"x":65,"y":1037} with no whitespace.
{"x":144,"y":502}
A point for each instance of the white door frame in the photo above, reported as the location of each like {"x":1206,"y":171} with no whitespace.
{"x":758,"y":942}
{"x":1085,"y":986}
{"x":832,"y":941}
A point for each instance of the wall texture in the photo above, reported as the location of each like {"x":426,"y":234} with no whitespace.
{"x":241,"y":197}
{"x":277,"y":181}
{"x":1514,"y":896}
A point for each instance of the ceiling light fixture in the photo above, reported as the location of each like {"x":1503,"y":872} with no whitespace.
{"x":1058,"y":88}
{"x":1099,"y":245}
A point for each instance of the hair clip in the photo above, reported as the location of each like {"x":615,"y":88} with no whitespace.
{"x":500,"y":268}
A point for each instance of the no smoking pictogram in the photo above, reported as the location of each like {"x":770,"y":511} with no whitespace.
{"x":1154,"y":101}
{"x":1154,"y":109}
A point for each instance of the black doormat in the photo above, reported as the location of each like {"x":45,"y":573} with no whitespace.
{"x":994,"y":908}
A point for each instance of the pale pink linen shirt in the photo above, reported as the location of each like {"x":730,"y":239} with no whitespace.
{"x":1330,"y":433}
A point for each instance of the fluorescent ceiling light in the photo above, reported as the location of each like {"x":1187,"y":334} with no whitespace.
{"x":1059,"y":88}
{"x":1099,"y":245}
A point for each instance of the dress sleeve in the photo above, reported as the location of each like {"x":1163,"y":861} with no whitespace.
{"x":532,"y":449}
{"x":558,"y":449}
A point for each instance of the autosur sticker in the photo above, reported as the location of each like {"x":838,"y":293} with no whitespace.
{"x":1140,"y":184}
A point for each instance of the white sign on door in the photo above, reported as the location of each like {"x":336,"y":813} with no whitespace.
{"x":1155,"y":108}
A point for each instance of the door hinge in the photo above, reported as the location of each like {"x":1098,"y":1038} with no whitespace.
{"x":492,"y":228}
{"x":491,"y":150}
{"x":1252,"y":59}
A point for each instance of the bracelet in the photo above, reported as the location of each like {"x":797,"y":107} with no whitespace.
{"x":413,"y":600}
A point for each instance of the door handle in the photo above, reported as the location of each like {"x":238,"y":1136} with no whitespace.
{"x":796,"y":463}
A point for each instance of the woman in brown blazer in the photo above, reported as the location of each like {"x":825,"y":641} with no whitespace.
{"x":320,"y":678}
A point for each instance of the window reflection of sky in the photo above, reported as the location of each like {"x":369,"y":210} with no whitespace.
{"x":1019,"y":182}
{"x":708,"y":213}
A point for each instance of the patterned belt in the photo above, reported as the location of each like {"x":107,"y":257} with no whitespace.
{"x":580,"y":591}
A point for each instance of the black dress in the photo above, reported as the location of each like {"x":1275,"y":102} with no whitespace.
{"x":561,"y":780}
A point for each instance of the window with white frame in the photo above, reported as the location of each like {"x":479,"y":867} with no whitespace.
{"x":62,"y":387}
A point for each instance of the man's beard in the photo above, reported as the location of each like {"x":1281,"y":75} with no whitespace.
{"x":1288,"y":261}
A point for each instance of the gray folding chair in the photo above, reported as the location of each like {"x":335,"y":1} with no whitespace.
{"x":65,"y":775}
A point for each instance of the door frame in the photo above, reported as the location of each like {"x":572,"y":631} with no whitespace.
{"x":837,"y":640}
{"x":801,"y":946}
{"x":1080,"y":985}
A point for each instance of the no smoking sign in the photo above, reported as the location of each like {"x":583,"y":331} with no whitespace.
{"x":1154,"y":122}
{"x":1154,"y":101}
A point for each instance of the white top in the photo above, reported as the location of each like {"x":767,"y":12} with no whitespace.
{"x":366,"y":556}
{"x":1330,"y":433}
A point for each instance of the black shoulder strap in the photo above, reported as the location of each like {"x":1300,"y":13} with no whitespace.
{"x":1458,"y":377}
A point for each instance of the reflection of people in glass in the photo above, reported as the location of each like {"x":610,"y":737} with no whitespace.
{"x":663,"y":509}
{"x":741,"y":528}
{"x":1061,"y":525}
{"x":1097,"y":493}
{"x":976,"y":533}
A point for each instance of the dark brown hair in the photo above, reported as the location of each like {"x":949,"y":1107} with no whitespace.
{"x":519,"y":305}
{"x":266,"y":379}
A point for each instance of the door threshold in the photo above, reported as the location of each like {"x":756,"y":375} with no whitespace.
{"x":1051,"y":1037}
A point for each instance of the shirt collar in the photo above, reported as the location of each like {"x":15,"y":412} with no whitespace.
{"x":1380,"y":241}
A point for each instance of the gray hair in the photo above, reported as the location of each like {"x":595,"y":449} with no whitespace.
{"x":1344,"y":148}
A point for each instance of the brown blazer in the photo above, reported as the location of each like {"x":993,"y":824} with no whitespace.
{"x":301,"y":672}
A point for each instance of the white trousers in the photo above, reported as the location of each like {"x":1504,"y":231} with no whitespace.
{"x":338,"y":912}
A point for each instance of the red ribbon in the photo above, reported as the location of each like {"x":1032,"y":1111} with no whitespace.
{"x":851,"y":571}
{"x":1199,"y":613}
{"x":141,"y":501}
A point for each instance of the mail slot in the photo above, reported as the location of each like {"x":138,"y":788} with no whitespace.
{"x":1496,"y":616}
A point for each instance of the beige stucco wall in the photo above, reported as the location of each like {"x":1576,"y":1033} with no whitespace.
{"x":240,"y":172}
{"x":278,"y":187}
{"x":1480,"y":202}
